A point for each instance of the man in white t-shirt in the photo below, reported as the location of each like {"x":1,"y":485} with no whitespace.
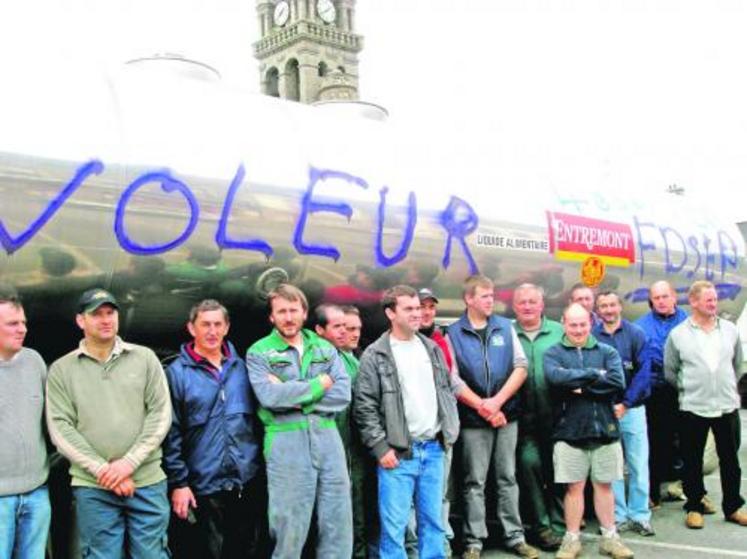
{"x":406,"y":412}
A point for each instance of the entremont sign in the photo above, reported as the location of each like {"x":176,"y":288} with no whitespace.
{"x":573,"y":237}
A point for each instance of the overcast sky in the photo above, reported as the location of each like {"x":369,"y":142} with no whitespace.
{"x":624,"y":96}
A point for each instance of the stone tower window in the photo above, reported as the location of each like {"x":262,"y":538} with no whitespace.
{"x":323,"y":70}
{"x":272,"y":82}
{"x":292,"y":81}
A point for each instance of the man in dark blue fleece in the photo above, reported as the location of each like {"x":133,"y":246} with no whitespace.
{"x":586,"y":379}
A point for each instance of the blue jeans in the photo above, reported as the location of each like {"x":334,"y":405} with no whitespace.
{"x":634,"y":433}
{"x":419,"y":478}
{"x":108,"y":523}
{"x":24,"y":524}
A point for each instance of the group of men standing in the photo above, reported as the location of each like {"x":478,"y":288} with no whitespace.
{"x":544,"y":405}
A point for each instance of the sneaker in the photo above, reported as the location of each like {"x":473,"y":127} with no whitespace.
{"x":570,"y":548}
{"x":694,"y":520}
{"x":614,"y":547}
{"x":471,"y":553}
{"x":642,"y":528}
{"x":547,"y":540}
{"x":738,"y":517}
{"x":708,"y":506}
{"x":622,"y":526}
{"x":525,"y":550}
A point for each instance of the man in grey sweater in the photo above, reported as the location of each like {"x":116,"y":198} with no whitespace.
{"x":703,"y":359}
{"x":24,"y":501}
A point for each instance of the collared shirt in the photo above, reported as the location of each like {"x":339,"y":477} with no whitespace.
{"x":705,"y":367}
{"x":205,"y":363}
{"x":119,"y":347}
{"x":630,"y":342}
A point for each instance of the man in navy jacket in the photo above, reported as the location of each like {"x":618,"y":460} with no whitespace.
{"x":586,"y":379}
{"x":631,"y":506}
{"x":661,"y":407}
{"x":211,"y":454}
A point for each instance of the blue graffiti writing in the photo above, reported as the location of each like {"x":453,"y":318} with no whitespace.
{"x":221,"y":237}
{"x":168,"y":185}
{"x":725,"y":291}
{"x":12,"y":244}
{"x":309,"y":206}
{"x":459,"y":220}
{"x":412,"y":218}
{"x":695,"y":252}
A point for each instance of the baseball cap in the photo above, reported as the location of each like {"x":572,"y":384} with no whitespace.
{"x":94,"y":298}
{"x":426,"y":293}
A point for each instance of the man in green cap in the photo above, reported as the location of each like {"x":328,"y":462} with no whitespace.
{"x":108,"y":410}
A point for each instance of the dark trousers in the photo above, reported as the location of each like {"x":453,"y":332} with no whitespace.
{"x":661,"y":416}
{"x":226,"y":526}
{"x":540,"y":498}
{"x":726,"y":432}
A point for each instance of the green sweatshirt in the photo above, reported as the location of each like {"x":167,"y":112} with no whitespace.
{"x":99,"y":412}
{"x":536,"y":416}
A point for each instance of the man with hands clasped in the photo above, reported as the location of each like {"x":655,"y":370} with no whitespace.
{"x":491,"y":368}
{"x":108,"y":410}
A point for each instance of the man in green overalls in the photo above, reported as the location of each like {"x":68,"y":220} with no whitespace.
{"x":300,"y":382}
{"x":331,"y":324}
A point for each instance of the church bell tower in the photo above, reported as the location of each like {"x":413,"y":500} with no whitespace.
{"x":308,"y":49}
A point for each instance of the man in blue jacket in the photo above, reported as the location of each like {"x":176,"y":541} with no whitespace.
{"x":631,"y":510}
{"x":491,"y":367}
{"x":211,"y":453}
{"x":586,"y":379}
{"x":661,"y":406}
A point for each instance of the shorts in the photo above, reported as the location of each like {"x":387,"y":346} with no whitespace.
{"x":572,"y":464}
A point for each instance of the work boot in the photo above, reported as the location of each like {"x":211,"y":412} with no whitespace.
{"x":738,"y":517}
{"x":708,"y":506}
{"x":614,"y":547}
{"x":471,"y":553}
{"x":523,"y":549}
{"x":548,"y":540}
{"x":570,"y":548}
{"x":694,"y":520}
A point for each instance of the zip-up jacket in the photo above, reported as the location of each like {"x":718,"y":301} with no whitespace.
{"x":212,"y":445}
{"x":290,"y":404}
{"x":585,"y":417}
{"x":630,"y":342}
{"x":657,"y":327}
{"x":536,"y":406}
{"x":484,"y":367}
{"x":706,"y":386}
{"x":379,"y":408}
